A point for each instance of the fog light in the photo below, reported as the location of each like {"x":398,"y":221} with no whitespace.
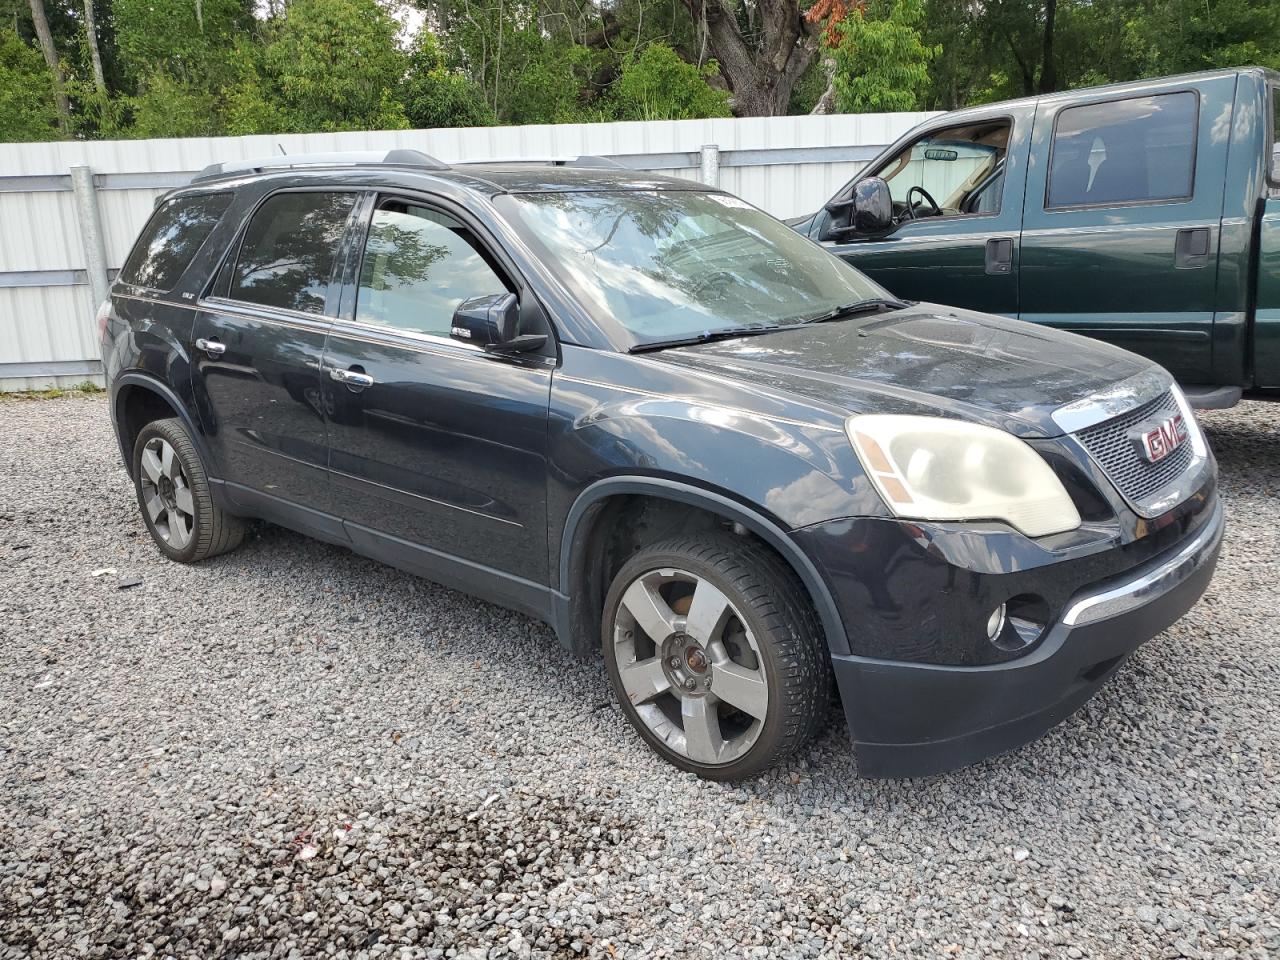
{"x":995,"y":623}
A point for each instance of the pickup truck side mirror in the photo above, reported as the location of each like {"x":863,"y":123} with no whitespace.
{"x":867,"y":212}
{"x":493,"y":323}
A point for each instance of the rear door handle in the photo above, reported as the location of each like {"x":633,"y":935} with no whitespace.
{"x":213,"y":347}
{"x":999,"y":256}
{"x":354,"y":379}
{"x":1191,"y":248}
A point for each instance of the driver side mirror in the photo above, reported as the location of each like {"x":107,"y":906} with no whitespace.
{"x":868,"y":212}
{"x":493,"y":323}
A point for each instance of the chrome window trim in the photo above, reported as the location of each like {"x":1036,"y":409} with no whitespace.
{"x":256,"y":311}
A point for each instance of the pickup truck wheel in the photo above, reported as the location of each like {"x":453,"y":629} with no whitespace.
{"x":174,"y":496}
{"x":715,"y":655}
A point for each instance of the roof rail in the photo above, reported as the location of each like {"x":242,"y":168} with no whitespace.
{"x":580,"y":161}
{"x":354,"y":158}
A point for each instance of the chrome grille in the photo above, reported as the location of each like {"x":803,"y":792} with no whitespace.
{"x":1113,"y":449}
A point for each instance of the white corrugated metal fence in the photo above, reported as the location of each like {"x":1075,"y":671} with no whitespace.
{"x":785,"y":165}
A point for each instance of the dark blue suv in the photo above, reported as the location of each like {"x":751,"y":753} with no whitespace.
{"x":658,"y":419}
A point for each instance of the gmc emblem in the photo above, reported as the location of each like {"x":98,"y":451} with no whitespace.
{"x":1163,"y":439}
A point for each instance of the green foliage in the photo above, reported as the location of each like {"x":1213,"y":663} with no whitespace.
{"x":166,"y":107}
{"x":435,"y":95}
{"x":658,"y":85}
{"x":26,"y":92}
{"x":154,"y":36}
{"x":882,"y":64}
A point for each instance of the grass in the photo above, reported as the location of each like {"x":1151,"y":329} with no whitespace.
{"x":86,"y":389}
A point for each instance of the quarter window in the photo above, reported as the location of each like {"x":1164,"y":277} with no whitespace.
{"x":287,"y":256}
{"x":169,"y":241}
{"x":418,"y":266}
{"x":1138,"y":150}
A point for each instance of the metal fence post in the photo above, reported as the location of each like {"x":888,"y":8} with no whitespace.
{"x":710,"y":175}
{"x":90,"y":220}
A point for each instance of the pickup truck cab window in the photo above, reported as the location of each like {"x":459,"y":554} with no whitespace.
{"x":1137,"y":150}
{"x":418,"y":266}
{"x":952,"y":172}
{"x":289,"y":249}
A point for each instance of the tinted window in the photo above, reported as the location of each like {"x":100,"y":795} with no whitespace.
{"x":418,"y":266}
{"x":170,"y":240}
{"x":289,"y":249}
{"x":1275,"y":134}
{"x":1126,"y":151}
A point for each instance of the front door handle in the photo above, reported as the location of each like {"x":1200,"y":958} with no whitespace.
{"x":999,"y":256}
{"x":355,"y":380}
{"x":1191,"y":248}
{"x":213,"y":347}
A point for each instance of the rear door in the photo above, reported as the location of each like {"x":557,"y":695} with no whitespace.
{"x":961,"y":246}
{"x":437,"y":447}
{"x":259,"y":339}
{"x":1122,"y":224}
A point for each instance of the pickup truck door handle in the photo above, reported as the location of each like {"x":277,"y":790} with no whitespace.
{"x":1191,"y":248}
{"x":356,"y":380}
{"x":999,"y":256}
{"x":213,"y":347}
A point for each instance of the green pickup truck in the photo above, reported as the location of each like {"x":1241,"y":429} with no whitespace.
{"x":1145,"y":214}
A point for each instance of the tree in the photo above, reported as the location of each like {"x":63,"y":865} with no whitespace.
{"x":436,"y":96}
{"x":880,"y":62}
{"x":658,"y":85}
{"x":762,"y":46}
{"x":27,"y":110}
{"x":41,"y":24}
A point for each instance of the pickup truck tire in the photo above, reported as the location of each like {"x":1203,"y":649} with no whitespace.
{"x":716,"y":655}
{"x":174,"y":497}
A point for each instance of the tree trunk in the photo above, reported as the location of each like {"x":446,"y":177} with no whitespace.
{"x":50,"y":52}
{"x":827,"y":102}
{"x":91,"y":32}
{"x":760,"y":74}
{"x":1048,"y":72}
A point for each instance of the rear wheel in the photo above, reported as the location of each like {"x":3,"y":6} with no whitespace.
{"x":715,"y":655}
{"x":173,"y":493}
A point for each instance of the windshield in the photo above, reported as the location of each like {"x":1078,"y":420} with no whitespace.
{"x":669,"y":265}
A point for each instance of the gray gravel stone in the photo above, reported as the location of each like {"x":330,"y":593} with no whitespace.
{"x":292,"y":752}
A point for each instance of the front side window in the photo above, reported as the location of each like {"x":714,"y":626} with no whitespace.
{"x":289,"y":249}
{"x":671,"y":264}
{"x":1139,"y":150}
{"x":418,"y":266}
{"x":950,"y":173}
{"x":170,"y":240}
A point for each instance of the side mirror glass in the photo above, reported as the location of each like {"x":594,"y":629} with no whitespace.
{"x":867,"y":212}
{"x":493,"y":323}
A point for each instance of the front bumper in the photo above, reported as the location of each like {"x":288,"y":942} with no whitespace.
{"x":918,"y":719}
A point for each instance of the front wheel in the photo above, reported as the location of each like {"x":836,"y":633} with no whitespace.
{"x":715,"y":654}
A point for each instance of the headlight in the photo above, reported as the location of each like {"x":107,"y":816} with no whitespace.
{"x":931,"y":468}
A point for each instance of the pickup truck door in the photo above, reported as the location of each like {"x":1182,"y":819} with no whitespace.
{"x":968,"y":256}
{"x":1123,"y":217}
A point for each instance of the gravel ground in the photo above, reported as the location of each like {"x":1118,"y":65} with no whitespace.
{"x":291,"y":751}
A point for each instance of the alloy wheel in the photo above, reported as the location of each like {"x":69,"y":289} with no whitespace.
{"x":690,"y":666}
{"x":166,"y":493}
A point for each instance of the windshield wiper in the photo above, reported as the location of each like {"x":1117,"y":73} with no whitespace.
{"x":869,"y":305}
{"x":706,"y":336}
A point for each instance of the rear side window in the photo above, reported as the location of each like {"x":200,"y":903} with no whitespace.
{"x":1139,"y":150}
{"x":170,"y":240}
{"x":1275,"y":135}
{"x":289,"y":249}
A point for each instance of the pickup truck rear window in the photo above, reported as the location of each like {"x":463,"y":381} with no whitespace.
{"x":1138,"y":150}
{"x":169,"y":241}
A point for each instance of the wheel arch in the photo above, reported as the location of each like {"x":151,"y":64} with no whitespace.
{"x":138,"y":399}
{"x":576,"y":615}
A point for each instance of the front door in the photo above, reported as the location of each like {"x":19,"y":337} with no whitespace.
{"x":957,"y":195}
{"x":437,"y":448}
{"x":258,"y":343}
{"x":1120,"y":234}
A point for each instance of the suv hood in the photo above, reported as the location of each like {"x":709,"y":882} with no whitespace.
{"x":925,"y":359}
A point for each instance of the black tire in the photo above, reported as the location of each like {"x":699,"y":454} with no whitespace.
{"x":789,"y":648}
{"x":209,"y":530}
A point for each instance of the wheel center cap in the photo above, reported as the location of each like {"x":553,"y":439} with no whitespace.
{"x":166,"y":491}
{"x":696,"y":659}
